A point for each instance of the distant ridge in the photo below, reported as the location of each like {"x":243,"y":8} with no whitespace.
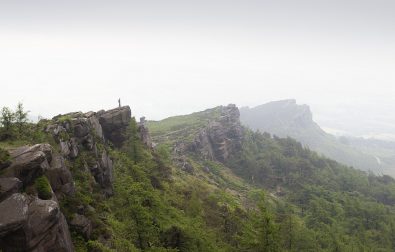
{"x":286,"y":118}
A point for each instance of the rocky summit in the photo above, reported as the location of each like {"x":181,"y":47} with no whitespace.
{"x":37,"y":176}
{"x":221,"y":137}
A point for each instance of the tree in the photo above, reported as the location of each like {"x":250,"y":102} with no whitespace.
{"x":264,"y":232}
{"x":133,"y":146}
{"x":267,"y":230}
{"x":6,"y":120}
{"x":20,"y":118}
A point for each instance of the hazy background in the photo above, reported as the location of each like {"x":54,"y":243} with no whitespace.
{"x":174,"y":57}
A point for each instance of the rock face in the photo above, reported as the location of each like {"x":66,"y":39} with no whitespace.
{"x":26,"y":222}
{"x":9,"y":186}
{"x":114,"y":124}
{"x":76,"y":132}
{"x":60,"y":178}
{"x":222,"y":137}
{"x":103,"y":173}
{"x":144,"y":133}
{"x":31,"y":224}
{"x":29,"y":162}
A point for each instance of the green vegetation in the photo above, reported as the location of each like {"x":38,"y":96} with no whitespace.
{"x":43,"y":188}
{"x":342,"y":209}
{"x":312,"y":203}
{"x":181,"y":127}
{"x":4,"y":158}
{"x":271,"y":195}
{"x":15,"y":130}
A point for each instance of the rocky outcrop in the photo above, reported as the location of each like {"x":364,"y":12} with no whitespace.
{"x":29,"y":162}
{"x":28,"y":223}
{"x":144,"y":133}
{"x":222,"y":137}
{"x":114,"y":124}
{"x":103,"y":173}
{"x":60,"y":177}
{"x":31,"y":224}
{"x":76,"y":132}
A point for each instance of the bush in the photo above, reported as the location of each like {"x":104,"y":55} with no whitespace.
{"x":43,"y":188}
{"x":96,"y":246}
{"x":4,"y":158}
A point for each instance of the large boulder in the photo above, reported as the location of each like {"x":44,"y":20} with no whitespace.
{"x":114,"y":123}
{"x":9,"y":186}
{"x":14,"y":213}
{"x":31,"y":224}
{"x":29,"y":162}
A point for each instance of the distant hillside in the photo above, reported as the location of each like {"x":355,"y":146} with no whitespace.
{"x":286,"y":118}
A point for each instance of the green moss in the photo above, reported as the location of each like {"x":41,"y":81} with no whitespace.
{"x":43,"y":188}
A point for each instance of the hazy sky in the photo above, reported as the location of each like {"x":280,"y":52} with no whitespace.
{"x":174,"y":57}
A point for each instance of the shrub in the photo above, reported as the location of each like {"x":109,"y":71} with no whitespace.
{"x":4,"y":158}
{"x":43,"y":188}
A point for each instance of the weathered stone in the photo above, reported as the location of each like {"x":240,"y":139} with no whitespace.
{"x":103,"y":173}
{"x":29,"y":162}
{"x":74,"y":147}
{"x":33,"y":225}
{"x":64,"y":148}
{"x":9,"y":186}
{"x":82,"y":225}
{"x":88,"y":142}
{"x":24,"y":150}
{"x":14,"y":213}
{"x":60,"y":177}
{"x":94,"y":122}
{"x":81,"y":127}
{"x":47,"y":228}
{"x":114,"y":124}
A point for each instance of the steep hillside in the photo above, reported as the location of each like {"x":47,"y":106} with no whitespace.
{"x":96,"y":182}
{"x":286,"y":118}
{"x":309,"y":196}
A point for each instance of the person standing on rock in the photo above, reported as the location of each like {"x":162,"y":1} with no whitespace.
{"x":119,"y":102}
